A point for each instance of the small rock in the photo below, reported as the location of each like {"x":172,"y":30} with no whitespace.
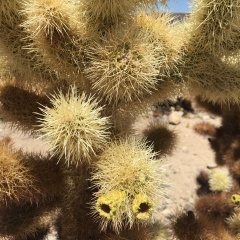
{"x":150,"y":112}
{"x":175,"y":117}
{"x":200,"y":114}
{"x":191,"y":200}
{"x":157,"y":113}
{"x":205,"y":117}
{"x":165,"y":119}
{"x":189,"y":115}
{"x":51,"y":237}
{"x":167,"y":212}
{"x":184,"y":149}
{"x":188,"y":207}
{"x":163,"y":207}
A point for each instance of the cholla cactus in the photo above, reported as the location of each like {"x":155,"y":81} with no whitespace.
{"x":16,"y":179}
{"x":73,"y":127}
{"x":119,"y":71}
{"x":78,"y":73}
{"x":234,"y":222}
{"x":128,"y":166}
{"x":220,"y":180}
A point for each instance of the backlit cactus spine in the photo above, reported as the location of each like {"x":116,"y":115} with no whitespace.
{"x":88,"y":69}
{"x":79,"y":63}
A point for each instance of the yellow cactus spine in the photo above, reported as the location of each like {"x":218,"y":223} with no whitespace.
{"x":129,"y":166}
{"x":233,"y":222}
{"x":73,"y":127}
{"x":216,"y":25}
{"x":55,"y":35}
{"x":123,"y":67}
{"x":220,"y":180}
{"x":112,"y":60}
{"x":16,"y":181}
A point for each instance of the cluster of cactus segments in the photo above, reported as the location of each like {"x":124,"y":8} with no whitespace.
{"x":78,"y":74}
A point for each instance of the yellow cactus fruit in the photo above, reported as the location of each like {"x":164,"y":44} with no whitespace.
{"x":142,"y":207}
{"x":109,"y":205}
{"x":128,"y":165}
{"x":73,"y":127}
{"x":123,"y":67}
{"x":220,"y":180}
{"x":235,"y":198}
{"x":110,"y":208}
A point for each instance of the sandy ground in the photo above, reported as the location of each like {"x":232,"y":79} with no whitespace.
{"x":192,"y":155}
{"x":20,"y":140}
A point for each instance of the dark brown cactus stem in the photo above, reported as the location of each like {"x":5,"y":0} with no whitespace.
{"x":28,"y":219}
{"x":21,"y":107}
{"x":75,"y":221}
